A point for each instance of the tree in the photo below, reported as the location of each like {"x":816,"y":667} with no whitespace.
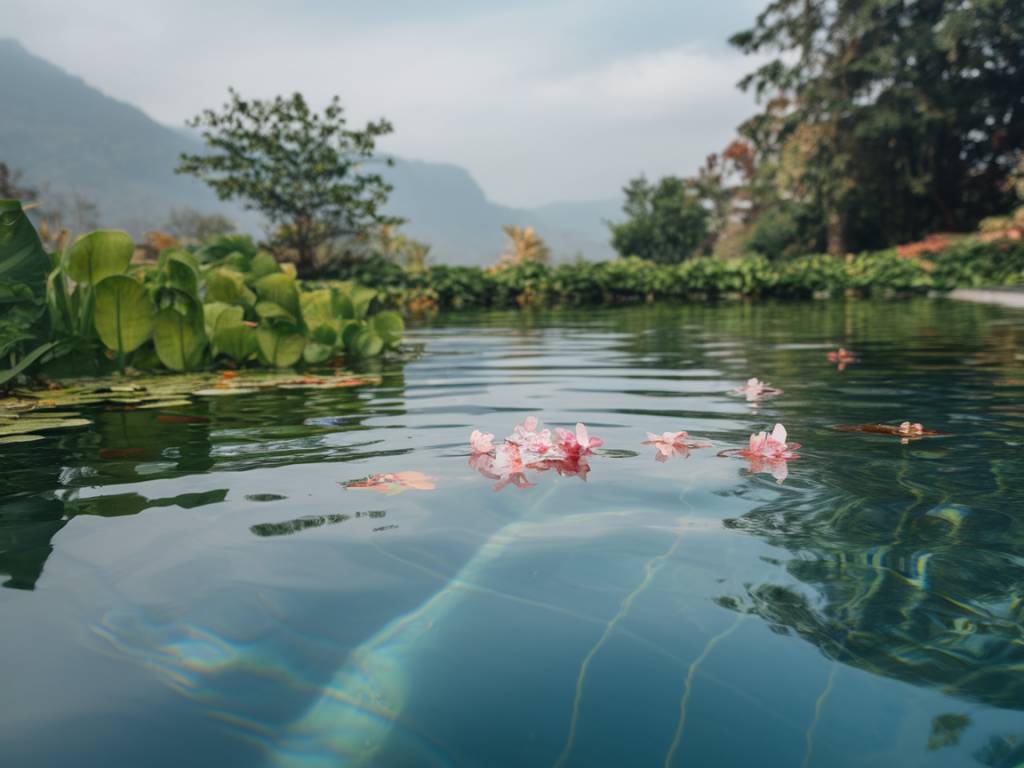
{"x":525,"y":246}
{"x":190,"y":224}
{"x":665,"y":221}
{"x":11,"y":187}
{"x":886,"y":119}
{"x":300,"y":169}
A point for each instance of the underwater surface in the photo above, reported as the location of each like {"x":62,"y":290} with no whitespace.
{"x":195,"y":585}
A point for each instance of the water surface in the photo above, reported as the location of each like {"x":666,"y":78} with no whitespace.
{"x":205,"y":592}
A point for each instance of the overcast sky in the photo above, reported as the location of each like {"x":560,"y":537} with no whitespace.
{"x":541,"y":101}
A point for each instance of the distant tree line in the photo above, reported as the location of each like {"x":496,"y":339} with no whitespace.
{"x":881,"y":121}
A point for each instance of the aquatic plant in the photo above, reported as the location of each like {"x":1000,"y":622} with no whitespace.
{"x":87,"y":309}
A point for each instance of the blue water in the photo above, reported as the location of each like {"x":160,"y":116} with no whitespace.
{"x":205,"y":592}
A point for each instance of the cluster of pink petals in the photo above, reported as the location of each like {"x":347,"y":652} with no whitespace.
{"x":671,"y":444}
{"x":529,"y":447}
{"x":768,"y":452}
{"x":755,"y":389}
{"x":842,"y":357}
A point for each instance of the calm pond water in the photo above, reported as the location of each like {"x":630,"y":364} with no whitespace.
{"x":206,"y":592}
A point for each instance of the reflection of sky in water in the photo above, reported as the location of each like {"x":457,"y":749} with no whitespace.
{"x":685,"y":613}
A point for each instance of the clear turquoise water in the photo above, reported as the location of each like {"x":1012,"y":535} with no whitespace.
{"x":217,"y":598}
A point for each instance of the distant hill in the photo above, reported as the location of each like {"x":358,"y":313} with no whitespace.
{"x":72,"y":138}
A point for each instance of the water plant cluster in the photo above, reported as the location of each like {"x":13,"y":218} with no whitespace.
{"x":967,"y":263}
{"x":87,"y":309}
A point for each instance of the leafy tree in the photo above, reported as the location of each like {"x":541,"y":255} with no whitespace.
{"x":301,"y":169}
{"x":887,"y":119}
{"x":525,"y":246}
{"x":665,"y":222}
{"x":11,"y":187}
{"x":196,"y":226}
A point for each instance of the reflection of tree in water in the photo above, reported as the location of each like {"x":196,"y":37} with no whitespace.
{"x":40,"y":482}
{"x":910,"y":567}
{"x":947,"y":730}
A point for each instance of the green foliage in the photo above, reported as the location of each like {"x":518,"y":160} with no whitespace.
{"x":124,"y":313}
{"x":223,"y":302}
{"x":24,"y":331}
{"x":632,"y":280}
{"x":300,"y":169}
{"x":884,"y":120}
{"x":98,"y":255}
{"x":665,"y":222}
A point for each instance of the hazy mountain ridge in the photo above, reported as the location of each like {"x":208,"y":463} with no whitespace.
{"x":68,"y":135}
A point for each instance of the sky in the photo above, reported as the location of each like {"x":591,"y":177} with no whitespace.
{"x":540,"y":101}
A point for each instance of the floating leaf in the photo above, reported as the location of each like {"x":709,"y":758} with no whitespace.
{"x":124,"y":313}
{"x":9,"y":439}
{"x":218,"y":391}
{"x":28,"y":426}
{"x":98,"y":255}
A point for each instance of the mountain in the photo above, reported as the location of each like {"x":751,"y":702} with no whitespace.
{"x":73,"y":141}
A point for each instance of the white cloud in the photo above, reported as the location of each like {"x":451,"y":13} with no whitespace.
{"x":519,"y":96}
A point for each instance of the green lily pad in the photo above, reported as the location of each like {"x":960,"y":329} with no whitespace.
{"x":9,"y":439}
{"x":218,"y":391}
{"x":27,"y":426}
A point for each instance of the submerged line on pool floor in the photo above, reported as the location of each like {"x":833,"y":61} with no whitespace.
{"x":650,"y":568}
{"x":819,"y":707}
{"x":677,"y":738}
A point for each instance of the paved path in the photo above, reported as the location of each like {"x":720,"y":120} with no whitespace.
{"x":1007,"y":297}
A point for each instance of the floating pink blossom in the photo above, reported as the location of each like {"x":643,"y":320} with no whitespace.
{"x":755,"y":389}
{"x":534,"y":449}
{"x":768,"y":452}
{"x":481,"y":442}
{"x":842,"y":357}
{"x":671,"y":444}
{"x":390,"y":483}
{"x":579,"y":443}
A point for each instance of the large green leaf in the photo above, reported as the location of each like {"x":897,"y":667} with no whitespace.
{"x":317,"y":309}
{"x":123,"y":314}
{"x":263,"y":264}
{"x":232,"y":336}
{"x":99,"y":255}
{"x":228,"y":286}
{"x":280,"y":346}
{"x":280,"y":289}
{"x":389,"y":326}
{"x":352,"y":301}
{"x":7,"y":374}
{"x":212,"y":311}
{"x":367,"y":343}
{"x":271,"y":310}
{"x":316,"y":353}
{"x":22,"y":258}
{"x":180,"y":274}
{"x":179,"y":338}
